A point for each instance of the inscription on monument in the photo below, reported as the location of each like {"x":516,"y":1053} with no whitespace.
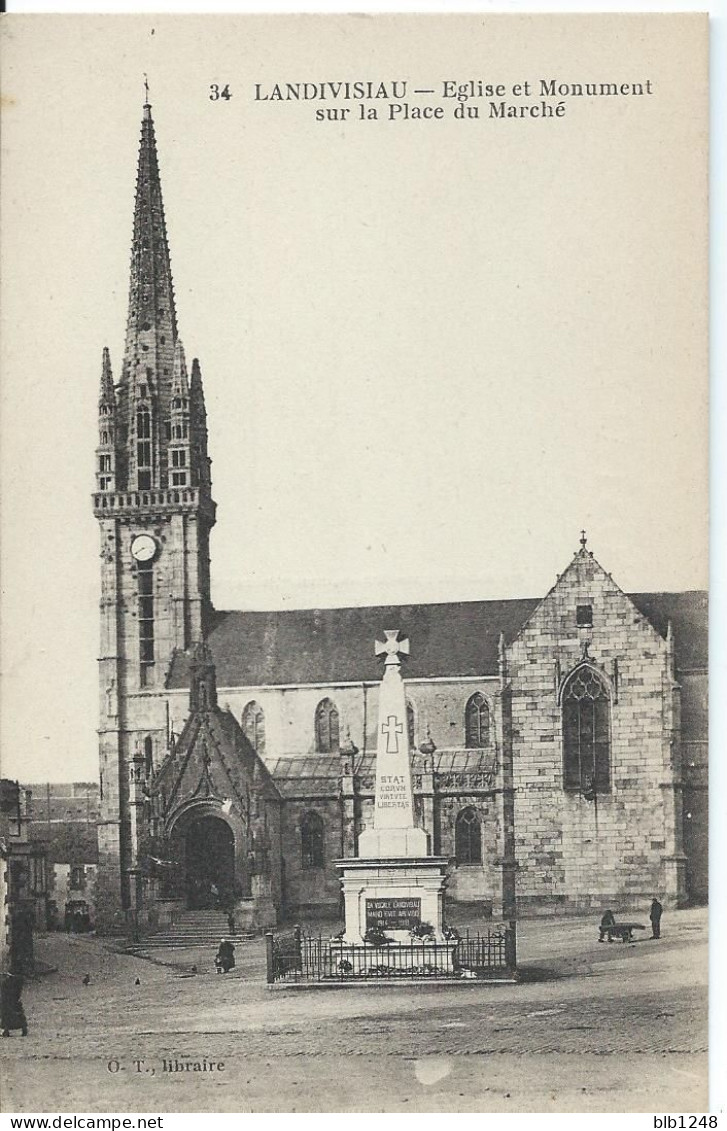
{"x":392,"y":792}
{"x":393,"y":914}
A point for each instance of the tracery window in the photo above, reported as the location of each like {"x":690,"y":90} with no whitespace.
{"x":253,"y":725}
{"x":477,"y":722}
{"x":468,"y":837}
{"x":327,"y":727}
{"x":586,"y":732}
{"x":311,"y":840}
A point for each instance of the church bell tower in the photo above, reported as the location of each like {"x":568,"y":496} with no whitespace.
{"x":153,"y":502}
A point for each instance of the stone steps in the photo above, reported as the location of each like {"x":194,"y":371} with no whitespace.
{"x":193,"y":929}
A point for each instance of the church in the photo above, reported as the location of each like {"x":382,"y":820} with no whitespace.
{"x":559,"y":742}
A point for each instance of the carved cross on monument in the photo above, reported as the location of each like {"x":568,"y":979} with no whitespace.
{"x":394,"y":833}
{"x":392,"y":647}
{"x":392,"y":728}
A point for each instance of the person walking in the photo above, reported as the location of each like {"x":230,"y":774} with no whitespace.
{"x":231,"y":921}
{"x":12,"y":1014}
{"x":608,"y":920}
{"x":655,"y":917}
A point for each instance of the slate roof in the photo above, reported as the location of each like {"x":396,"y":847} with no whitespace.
{"x":689,"y":614}
{"x":319,"y":774}
{"x":71,"y":842}
{"x":456,"y":639}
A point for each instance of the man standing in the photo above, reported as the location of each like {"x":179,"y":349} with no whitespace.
{"x":12,"y":1014}
{"x":655,"y":916}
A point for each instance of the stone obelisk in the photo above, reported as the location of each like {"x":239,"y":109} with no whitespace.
{"x":392,"y":885}
{"x":394,"y":832}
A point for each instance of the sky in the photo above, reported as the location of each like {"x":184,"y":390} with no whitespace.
{"x":433,"y":351}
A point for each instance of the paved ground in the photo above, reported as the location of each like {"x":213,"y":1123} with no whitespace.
{"x":592,"y":1027}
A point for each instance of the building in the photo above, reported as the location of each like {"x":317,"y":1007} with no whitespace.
{"x":63,"y":818}
{"x":23,"y":880}
{"x":557,"y":738}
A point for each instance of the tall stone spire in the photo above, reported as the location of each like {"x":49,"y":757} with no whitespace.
{"x":151,"y":328}
{"x":145,"y":392}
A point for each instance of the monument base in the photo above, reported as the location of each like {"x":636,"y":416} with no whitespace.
{"x":375,"y":844}
{"x":393,"y":895}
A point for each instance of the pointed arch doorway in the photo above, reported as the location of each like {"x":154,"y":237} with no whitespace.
{"x":209,"y":854}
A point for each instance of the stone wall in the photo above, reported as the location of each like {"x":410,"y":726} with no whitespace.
{"x":695,"y":768}
{"x":311,"y":890}
{"x":620,"y":848}
{"x":439,"y":708}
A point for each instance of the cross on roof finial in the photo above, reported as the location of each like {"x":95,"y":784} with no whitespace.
{"x":392,"y":647}
{"x":583,"y":539}
{"x":146,"y":90}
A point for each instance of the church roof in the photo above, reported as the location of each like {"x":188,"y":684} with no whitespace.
{"x":337,"y":645}
{"x":688,"y":613}
{"x":318,"y":775}
{"x":456,"y":639}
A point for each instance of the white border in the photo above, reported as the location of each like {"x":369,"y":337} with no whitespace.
{"x":718,"y":439}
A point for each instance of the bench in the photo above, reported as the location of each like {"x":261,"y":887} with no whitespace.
{"x":623,"y":931}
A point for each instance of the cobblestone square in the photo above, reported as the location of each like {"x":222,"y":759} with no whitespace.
{"x":591,"y":1027}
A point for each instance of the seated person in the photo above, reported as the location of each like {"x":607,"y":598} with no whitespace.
{"x":225,"y":957}
{"x":607,"y":920}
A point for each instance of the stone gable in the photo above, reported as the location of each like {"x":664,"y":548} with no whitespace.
{"x":619,"y":846}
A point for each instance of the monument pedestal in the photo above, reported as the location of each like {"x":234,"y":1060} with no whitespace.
{"x":393,"y":894}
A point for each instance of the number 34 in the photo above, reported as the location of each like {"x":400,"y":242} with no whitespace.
{"x":216,"y":94}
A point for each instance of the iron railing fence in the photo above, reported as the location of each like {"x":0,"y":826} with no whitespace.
{"x":294,"y":956}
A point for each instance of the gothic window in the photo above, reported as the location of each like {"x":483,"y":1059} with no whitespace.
{"x":143,"y":423}
{"x":179,"y":458}
{"x":477,"y":722}
{"x":253,"y":725}
{"x":148,"y":756}
{"x":327,"y":727}
{"x":145,"y":576}
{"x":311,"y":840}
{"x":104,"y":463}
{"x":411,"y":724}
{"x":468,"y":837}
{"x":143,"y":447}
{"x":179,"y":479}
{"x":586,"y":732}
